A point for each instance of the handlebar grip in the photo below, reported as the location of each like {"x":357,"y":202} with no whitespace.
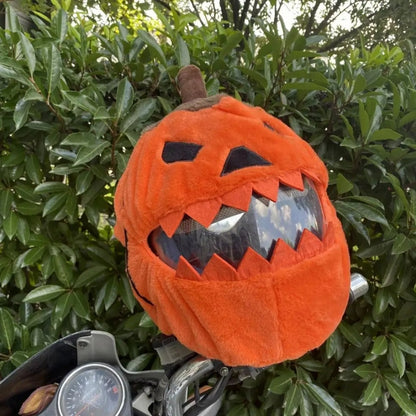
{"x":358,"y":286}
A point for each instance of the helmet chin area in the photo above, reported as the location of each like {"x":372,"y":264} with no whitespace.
{"x":233,"y":231}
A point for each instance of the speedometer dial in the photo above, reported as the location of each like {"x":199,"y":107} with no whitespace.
{"x":92,"y":390}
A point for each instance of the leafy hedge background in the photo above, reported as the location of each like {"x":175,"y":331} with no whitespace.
{"x":73,"y":104}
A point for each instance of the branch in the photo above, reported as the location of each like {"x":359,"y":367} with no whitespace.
{"x":327,"y":18}
{"x":244,"y":13}
{"x":224,"y":11}
{"x":235,"y":6}
{"x":164,"y":4}
{"x":257,"y":11}
{"x":277,"y":11}
{"x":196,"y":11}
{"x":311,"y":19}
{"x":346,"y":35}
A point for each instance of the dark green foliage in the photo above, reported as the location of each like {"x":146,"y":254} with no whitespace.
{"x":73,"y":104}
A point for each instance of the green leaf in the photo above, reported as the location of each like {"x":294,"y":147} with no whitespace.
{"x":82,"y":101}
{"x":381,"y":303}
{"x":403,"y":344}
{"x":55,"y":203}
{"x":369,"y":212}
{"x":86,"y":154}
{"x":399,"y":190}
{"x":305,"y":405}
{"x":6,"y":273}
{"x":146,"y":321}
{"x":20,"y":279}
{"x":366,"y":371}
{"x":63,"y":269}
{"x":92,"y":274}
{"x":63,"y":306}
{"x":343,"y":184}
{"x":323,"y":397}
{"x":353,"y":218}
{"x":280,"y":384}
{"x":28,"y":52}
{"x":126,"y":294}
{"x":7,"y":332}
{"x":32,"y":255}
{"x":408,"y":118}
{"x":61,"y":22}
{"x":39,"y":317}
{"x":402,"y":244}
{"x":111,"y":292}
{"x":21,"y":113}
{"x":33,"y":169}
{"x":380,"y":345}
{"x":401,"y":396}
{"x":231,"y":43}
{"x":141,"y":112}
{"x":81,"y":304}
{"x":12,"y":19}
{"x":372,"y":392}
{"x":53,"y":69}
{"x":364,"y":120}
{"x":10,"y":224}
{"x":44,"y":293}
{"x":303,"y":86}
{"x":182,"y":51}
{"x":18,"y":358}
{"x":51,"y":187}
{"x":156,"y":50}
{"x":391,"y":273}
{"x":412,"y":379}
{"x":351,"y":334}
{"x":292,"y":400}
{"x":9,"y":72}
{"x":80,"y":139}
{"x":83,"y":181}
{"x":124,"y":98}
{"x":141,"y":362}
{"x":398,"y":358}
{"x":6,"y":200}
{"x":385,"y":134}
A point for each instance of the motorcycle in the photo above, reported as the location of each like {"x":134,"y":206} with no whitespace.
{"x":81,"y":375}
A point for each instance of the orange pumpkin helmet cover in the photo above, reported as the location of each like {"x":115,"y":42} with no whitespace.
{"x":233,"y":245}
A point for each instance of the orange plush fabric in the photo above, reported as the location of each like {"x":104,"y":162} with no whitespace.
{"x":263,"y":311}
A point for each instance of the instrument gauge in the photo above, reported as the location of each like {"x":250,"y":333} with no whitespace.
{"x":92,"y":390}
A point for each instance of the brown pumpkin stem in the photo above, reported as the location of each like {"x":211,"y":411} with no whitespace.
{"x":190,"y":83}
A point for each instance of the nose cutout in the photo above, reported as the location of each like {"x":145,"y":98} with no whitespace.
{"x":240,"y":158}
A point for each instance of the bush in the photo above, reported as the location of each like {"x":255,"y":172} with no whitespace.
{"x":74,"y":103}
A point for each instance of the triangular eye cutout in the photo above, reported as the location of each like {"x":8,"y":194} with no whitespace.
{"x":240,"y":158}
{"x":180,"y":152}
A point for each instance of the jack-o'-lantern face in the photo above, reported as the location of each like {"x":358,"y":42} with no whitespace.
{"x":233,"y":245}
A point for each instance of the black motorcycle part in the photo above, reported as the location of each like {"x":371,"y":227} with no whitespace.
{"x":47,"y":366}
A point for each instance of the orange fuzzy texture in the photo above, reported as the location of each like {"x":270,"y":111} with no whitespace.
{"x":263,"y":312}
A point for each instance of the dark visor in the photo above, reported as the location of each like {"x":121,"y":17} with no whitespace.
{"x":233,"y":231}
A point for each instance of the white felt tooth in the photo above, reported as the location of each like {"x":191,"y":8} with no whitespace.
{"x":293,"y":179}
{"x":204,"y":212}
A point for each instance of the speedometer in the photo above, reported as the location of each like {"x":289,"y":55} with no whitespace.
{"x":92,"y":390}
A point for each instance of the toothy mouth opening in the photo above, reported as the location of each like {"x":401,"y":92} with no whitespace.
{"x":233,"y":231}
